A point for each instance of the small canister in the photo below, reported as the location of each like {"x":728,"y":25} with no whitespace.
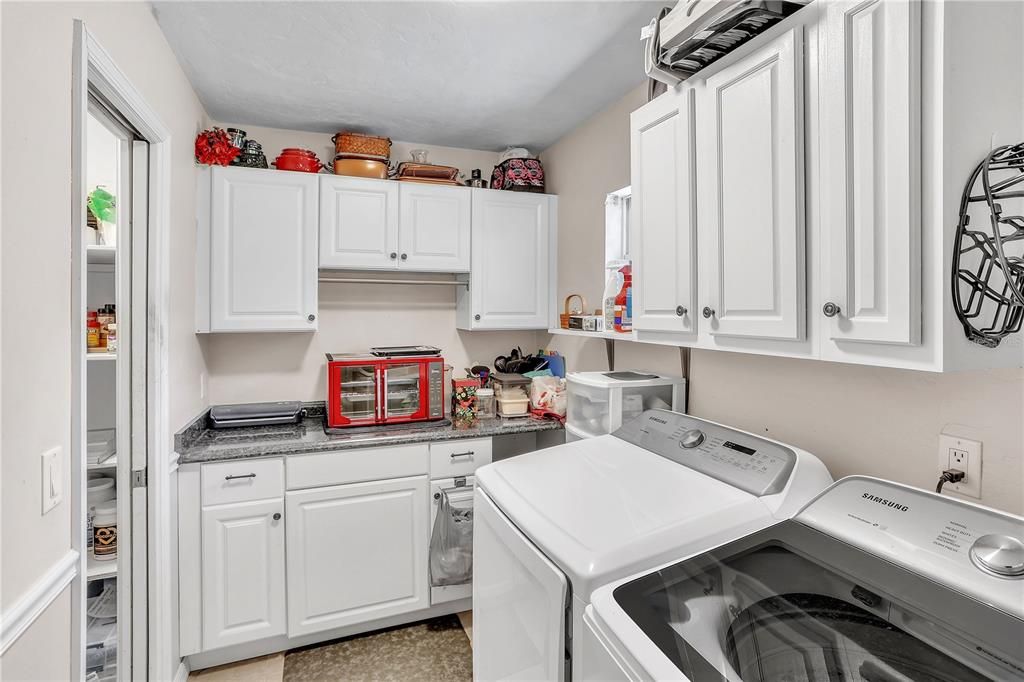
{"x":485,"y":408}
{"x":104,"y":531}
{"x":98,"y":490}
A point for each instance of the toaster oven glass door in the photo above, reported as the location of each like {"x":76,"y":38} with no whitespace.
{"x":358,"y":393}
{"x":404,"y":388}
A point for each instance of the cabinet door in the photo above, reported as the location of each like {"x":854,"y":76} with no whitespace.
{"x":356,"y":553}
{"x":358,"y":223}
{"x":750,"y":117}
{"x":664,"y":214}
{"x":870,"y":152}
{"x":263,"y":269}
{"x":509,"y":279}
{"x":243,"y":572}
{"x":434,"y":228}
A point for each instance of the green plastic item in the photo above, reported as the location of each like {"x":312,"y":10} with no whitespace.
{"x":103,"y":205}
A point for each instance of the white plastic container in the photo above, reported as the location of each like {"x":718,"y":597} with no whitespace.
{"x":104,"y":531}
{"x":601,"y":402}
{"x":98,"y":490}
{"x":513,"y":406}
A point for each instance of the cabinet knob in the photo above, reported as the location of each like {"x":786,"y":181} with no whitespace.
{"x":680,"y":310}
{"x":277,"y":516}
{"x":707,"y":312}
{"x":476,"y":317}
{"x":394,"y":255}
{"x":405,"y":256}
{"x":830,"y":309}
{"x":311,"y":317}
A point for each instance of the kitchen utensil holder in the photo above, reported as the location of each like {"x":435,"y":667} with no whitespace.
{"x":988,"y":260}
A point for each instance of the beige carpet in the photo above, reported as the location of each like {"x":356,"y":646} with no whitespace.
{"x":435,"y":650}
{"x":262,"y":669}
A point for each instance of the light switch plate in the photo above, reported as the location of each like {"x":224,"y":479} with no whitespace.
{"x":956,"y":452}
{"x":52,"y":479}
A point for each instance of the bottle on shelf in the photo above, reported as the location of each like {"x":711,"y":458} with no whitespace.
{"x":624,"y":301}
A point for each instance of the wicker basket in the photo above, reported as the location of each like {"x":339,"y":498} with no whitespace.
{"x":363,"y":146}
{"x":568,"y":309}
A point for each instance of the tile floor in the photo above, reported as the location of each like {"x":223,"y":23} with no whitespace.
{"x":435,"y":650}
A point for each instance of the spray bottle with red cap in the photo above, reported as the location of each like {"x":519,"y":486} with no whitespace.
{"x":624,"y":301}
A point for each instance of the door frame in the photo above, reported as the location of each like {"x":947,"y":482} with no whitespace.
{"x":92,"y":67}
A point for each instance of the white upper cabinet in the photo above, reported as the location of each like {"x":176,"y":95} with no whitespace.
{"x":358,"y":223}
{"x":508,"y":285}
{"x":257,"y":250}
{"x":751,"y":183}
{"x":243,"y":567}
{"x":664,"y":206}
{"x":356,"y":553}
{"x":434,"y":232}
{"x":870,"y":185}
{"x":370,"y":224}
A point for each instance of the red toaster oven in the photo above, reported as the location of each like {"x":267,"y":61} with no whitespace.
{"x":364,"y":390}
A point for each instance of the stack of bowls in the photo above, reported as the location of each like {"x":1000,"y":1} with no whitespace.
{"x":295,"y":159}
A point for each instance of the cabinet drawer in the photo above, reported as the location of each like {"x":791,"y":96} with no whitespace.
{"x":459,"y":457}
{"x":353,"y":466}
{"x":256,"y":479}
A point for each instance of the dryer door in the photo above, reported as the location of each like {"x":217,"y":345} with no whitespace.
{"x":519,"y":603}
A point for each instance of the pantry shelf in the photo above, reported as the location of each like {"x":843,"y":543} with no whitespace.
{"x":97,"y":570}
{"x":99,"y":357}
{"x":611,"y":336}
{"x":105,"y":464}
{"x":97,"y":254}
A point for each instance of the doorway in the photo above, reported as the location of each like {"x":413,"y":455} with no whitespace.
{"x":120,"y":514}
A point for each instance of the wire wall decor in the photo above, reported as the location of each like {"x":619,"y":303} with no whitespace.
{"x":988,"y":257}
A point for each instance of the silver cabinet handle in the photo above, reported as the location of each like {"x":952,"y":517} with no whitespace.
{"x":707,"y":312}
{"x":467,"y":453}
{"x":311,"y":317}
{"x":476,"y":317}
{"x":830,"y":309}
{"x":277,"y":516}
{"x":405,"y":256}
{"x":680,"y":310}
{"x":394,"y":255}
{"x":232,"y":477}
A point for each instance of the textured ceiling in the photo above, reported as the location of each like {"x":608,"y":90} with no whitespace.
{"x":480,"y":75}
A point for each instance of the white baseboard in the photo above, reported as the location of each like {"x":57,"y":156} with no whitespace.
{"x":19,"y":618}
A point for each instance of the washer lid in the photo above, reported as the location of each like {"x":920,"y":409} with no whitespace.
{"x":603,"y":508}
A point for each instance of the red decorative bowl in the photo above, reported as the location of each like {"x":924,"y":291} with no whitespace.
{"x":297,"y":162}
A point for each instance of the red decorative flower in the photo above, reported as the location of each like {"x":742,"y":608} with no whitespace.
{"x":214,"y":148}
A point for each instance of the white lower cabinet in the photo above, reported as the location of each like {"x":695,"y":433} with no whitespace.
{"x":243,"y":567}
{"x":356,"y":553}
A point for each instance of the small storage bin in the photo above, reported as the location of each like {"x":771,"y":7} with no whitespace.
{"x":510,"y":406}
{"x":601,"y":402}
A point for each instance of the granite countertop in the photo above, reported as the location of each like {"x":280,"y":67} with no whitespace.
{"x":198,"y":443}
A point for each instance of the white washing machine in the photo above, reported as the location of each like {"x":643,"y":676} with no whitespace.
{"x":873,"y":580}
{"x":553,"y":525}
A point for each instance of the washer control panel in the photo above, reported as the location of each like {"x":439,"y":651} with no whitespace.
{"x":752,"y":464}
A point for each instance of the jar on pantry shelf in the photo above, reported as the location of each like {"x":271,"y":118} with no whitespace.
{"x":111,"y":337}
{"x":104,"y":531}
{"x":92,"y":333}
{"x":99,"y":490}
{"x":485,"y":408}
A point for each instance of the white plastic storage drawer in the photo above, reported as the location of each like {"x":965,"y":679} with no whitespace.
{"x":459,"y":457}
{"x":589,"y":409}
{"x":242,"y":480}
{"x":355,"y":466}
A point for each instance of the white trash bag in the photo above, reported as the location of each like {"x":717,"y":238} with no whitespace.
{"x":451,"y":544}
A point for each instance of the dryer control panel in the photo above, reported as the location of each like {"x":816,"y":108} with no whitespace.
{"x":755,"y":465}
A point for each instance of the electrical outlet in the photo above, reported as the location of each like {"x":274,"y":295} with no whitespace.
{"x":963,"y":454}
{"x":52,"y":479}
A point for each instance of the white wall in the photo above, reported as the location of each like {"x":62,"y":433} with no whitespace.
{"x":353,"y":317}
{"x":36,"y":281}
{"x":880,"y":422}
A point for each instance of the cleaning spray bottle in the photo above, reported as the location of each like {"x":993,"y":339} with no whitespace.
{"x":611,"y":290}
{"x":624,"y":301}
